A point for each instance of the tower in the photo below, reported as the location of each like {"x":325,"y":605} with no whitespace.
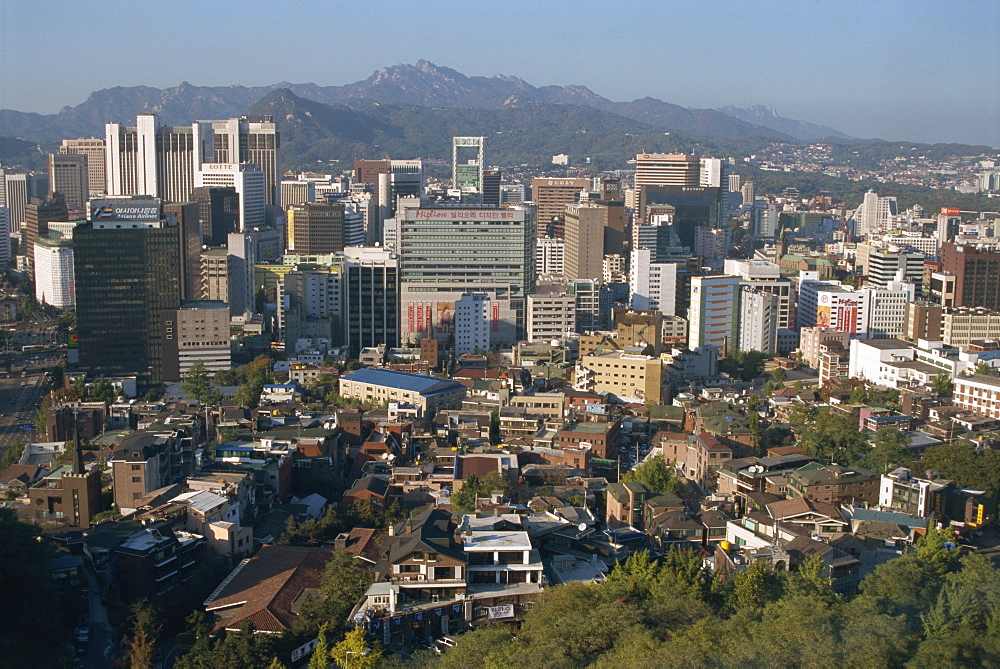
{"x":69,"y":177}
{"x":467,"y":173}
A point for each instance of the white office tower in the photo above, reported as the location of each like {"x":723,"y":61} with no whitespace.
{"x":881,"y":264}
{"x":150,"y":159}
{"x":886,"y":309}
{"x":758,"y":320}
{"x":550,"y":257}
{"x":875,"y":215}
{"x":297,"y":191}
{"x":748,"y":192}
{"x":550,"y":316}
{"x":353,"y":224}
{"x":244,"y":252}
{"x":734,"y":183}
{"x":54,"y":271}
{"x":713,"y":173}
{"x":4,"y":236}
{"x":472,"y":323}
{"x":15,"y":191}
{"x":711,"y":244}
{"x":713,"y":315}
{"x":652,"y":285}
{"x":511,"y":193}
{"x":249,"y":182}
{"x":763,"y":275}
{"x":948,"y":223}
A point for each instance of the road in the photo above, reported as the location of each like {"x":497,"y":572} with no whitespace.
{"x":19,"y":398}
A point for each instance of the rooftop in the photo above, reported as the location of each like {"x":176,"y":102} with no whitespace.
{"x":425,"y":385}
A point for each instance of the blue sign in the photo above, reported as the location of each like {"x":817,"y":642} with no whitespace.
{"x":28,"y":428}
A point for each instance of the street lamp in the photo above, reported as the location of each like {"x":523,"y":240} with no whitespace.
{"x":348,"y":653}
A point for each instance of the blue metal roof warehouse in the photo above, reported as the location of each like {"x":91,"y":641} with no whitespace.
{"x":427,"y":386}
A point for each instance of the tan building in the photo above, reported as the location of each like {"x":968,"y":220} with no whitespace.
{"x":547,"y":405}
{"x":696,"y":456}
{"x":955,"y":326}
{"x":550,"y":316}
{"x":203,"y":335}
{"x":551,"y":195}
{"x":811,"y":339}
{"x":835,"y":484}
{"x":68,"y":176}
{"x":93,"y":149}
{"x":978,"y":394}
{"x":625,"y":375}
{"x":640,"y":328}
{"x":67,"y":492}
{"x":584,"y":254}
{"x":315,"y":228}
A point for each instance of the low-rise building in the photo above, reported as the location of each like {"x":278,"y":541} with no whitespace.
{"x":978,"y":394}
{"x":834,"y":484}
{"x":381,"y":385}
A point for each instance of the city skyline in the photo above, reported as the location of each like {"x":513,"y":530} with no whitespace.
{"x":916,"y":71}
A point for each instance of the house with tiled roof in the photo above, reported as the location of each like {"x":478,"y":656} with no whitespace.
{"x":268,"y":589}
{"x":816,"y":518}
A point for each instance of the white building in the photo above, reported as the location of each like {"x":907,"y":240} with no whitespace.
{"x":766,"y":276}
{"x":248,"y":180}
{"x":203,"y":336}
{"x":550,"y":316}
{"x":875,"y":215}
{"x":54,"y":271}
{"x":758,"y":320}
{"x":652,"y":285}
{"x":978,"y":394}
{"x":472,"y":323}
{"x":713,"y":315}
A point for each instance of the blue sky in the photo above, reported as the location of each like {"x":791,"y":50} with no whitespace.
{"x":910,"y":70}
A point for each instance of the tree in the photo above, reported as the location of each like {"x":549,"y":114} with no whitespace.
{"x":353,"y":651}
{"x":754,"y":586}
{"x":198,"y":386}
{"x":941,"y":384}
{"x":962,"y":463}
{"x":834,"y":438}
{"x":858,"y":396}
{"x":779,"y":374}
{"x":321,"y":654}
{"x":474,"y":487}
{"x":889,"y":450}
{"x":657,"y":476}
{"x":144,"y":634}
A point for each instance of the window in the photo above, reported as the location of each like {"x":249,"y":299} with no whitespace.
{"x":136,"y":479}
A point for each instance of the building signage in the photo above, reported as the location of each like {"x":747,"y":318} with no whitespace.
{"x":125,"y":210}
{"x":445,"y":214}
{"x":951,"y":211}
{"x":496,"y":318}
{"x":468,"y":141}
{"x":502,"y":611}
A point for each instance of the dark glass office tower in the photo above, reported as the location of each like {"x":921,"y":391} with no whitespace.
{"x":127,"y":270}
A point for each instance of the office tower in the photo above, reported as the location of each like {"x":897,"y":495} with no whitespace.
{"x":68,"y":176}
{"x":874,"y":215}
{"x":713,"y":314}
{"x":550,"y":316}
{"x":371,"y":298}
{"x":203,"y":336}
{"x":652,"y":285}
{"x":445,"y":252}
{"x":310,"y":305}
{"x":748,"y":192}
{"x":472,"y":323}
{"x":550,"y":257}
{"x":54,"y":271}
{"x":975,"y":269}
{"x":406,"y":179}
{"x":712,"y":173}
{"x":765,"y":220}
{"x":127,"y":271}
{"x":367,"y":171}
{"x":667,"y":169}
{"x":734,"y":183}
{"x":315,"y":228}
{"x":4,"y":237}
{"x":297,"y":192}
{"x":219,"y":212}
{"x":93,"y":149}
{"x":189,"y":244}
{"x":218,"y":270}
{"x":584,"y":227}
{"x":162,"y":161}
{"x":511,"y":193}
{"x":758,"y":326}
{"x":766,"y":276}
{"x":249,"y":183}
{"x":491,"y":187}
{"x":551,"y":196}
{"x":593,"y":304}
{"x":881,"y":264}
{"x":885,"y":310}
{"x":693,"y":207}
{"x":711,"y":244}
{"x":16,"y":187}
{"x":948,"y":222}
{"x":467,"y":172}
{"x":37,"y":216}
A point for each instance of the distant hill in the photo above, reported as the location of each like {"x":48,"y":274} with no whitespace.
{"x":20,"y":154}
{"x":767,"y":117}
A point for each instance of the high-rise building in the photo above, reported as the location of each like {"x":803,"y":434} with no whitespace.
{"x":758,"y":329}
{"x":711,"y":244}
{"x":874,"y":215}
{"x":127,"y":272}
{"x":472,"y":323}
{"x":18,"y":191}
{"x":550,"y":316}
{"x":189,"y":244}
{"x":4,"y":236}
{"x":203,"y":336}
{"x":766,"y":276}
{"x":69,"y":177}
{"x":219,"y":211}
{"x":297,"y":192}
{"x":445,"y":252}
{"x":491,"y":187}
{"x":371,"y":298}
{"x":734,"y":183}
{"x":976,"y":269}
{"x":748,"y":192}
{"x":667,"y":169}
{"x":713,"y":314}
{"x":37,"y":216}
{"x":882,"y":264}
{"x":466,"y":172}
{"x":93,"y":149}
{"x":315,"y":227}
{"x":247,"y":180}
{"x":652,"y":285}
{"x":551,"y":195}
{"x":310,"y":305}
{"x":367,"y":171}
{"x":54,"y":271}
{"x":162,"y":161}
{"x":584,"y":226}
{"x":550,"y":257}
{"x":693,"y":207}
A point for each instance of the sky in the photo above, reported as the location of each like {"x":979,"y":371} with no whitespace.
{"x":916,"y":70}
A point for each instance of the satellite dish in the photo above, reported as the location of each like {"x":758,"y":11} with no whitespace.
{"x":582,"y":526}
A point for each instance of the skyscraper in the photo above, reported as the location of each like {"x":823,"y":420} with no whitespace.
{"x":976,"y":269}
{"x":713,"y":314}
{"x":249,"y":182}
{"x":371,"y":298}
{"x":652,"y":285}
{"x":584,"y":227}
{"x":69,"y":177}
{"x":551,"y":195}
{"x":127,"y":272}
{"x":315,"y":227}
{"x":93,"y":149}
{"x":38,"y":214}
{"x":466,"y":172}
{"x":491,"y":187}
{"x":219,"y":211}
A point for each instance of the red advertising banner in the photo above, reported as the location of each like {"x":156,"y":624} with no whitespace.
{"x":496,"y":318}
{"x":410,"y":315}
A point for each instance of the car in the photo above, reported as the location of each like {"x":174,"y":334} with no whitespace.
{"x":82,"y":634}
{"x":447,"y":640}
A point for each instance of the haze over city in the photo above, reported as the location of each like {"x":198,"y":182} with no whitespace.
{"x":916,"y":71}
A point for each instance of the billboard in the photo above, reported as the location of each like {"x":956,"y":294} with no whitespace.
{"x":131,"y":209}
{"x":951,"y":211}
{"x":446,"y":317}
